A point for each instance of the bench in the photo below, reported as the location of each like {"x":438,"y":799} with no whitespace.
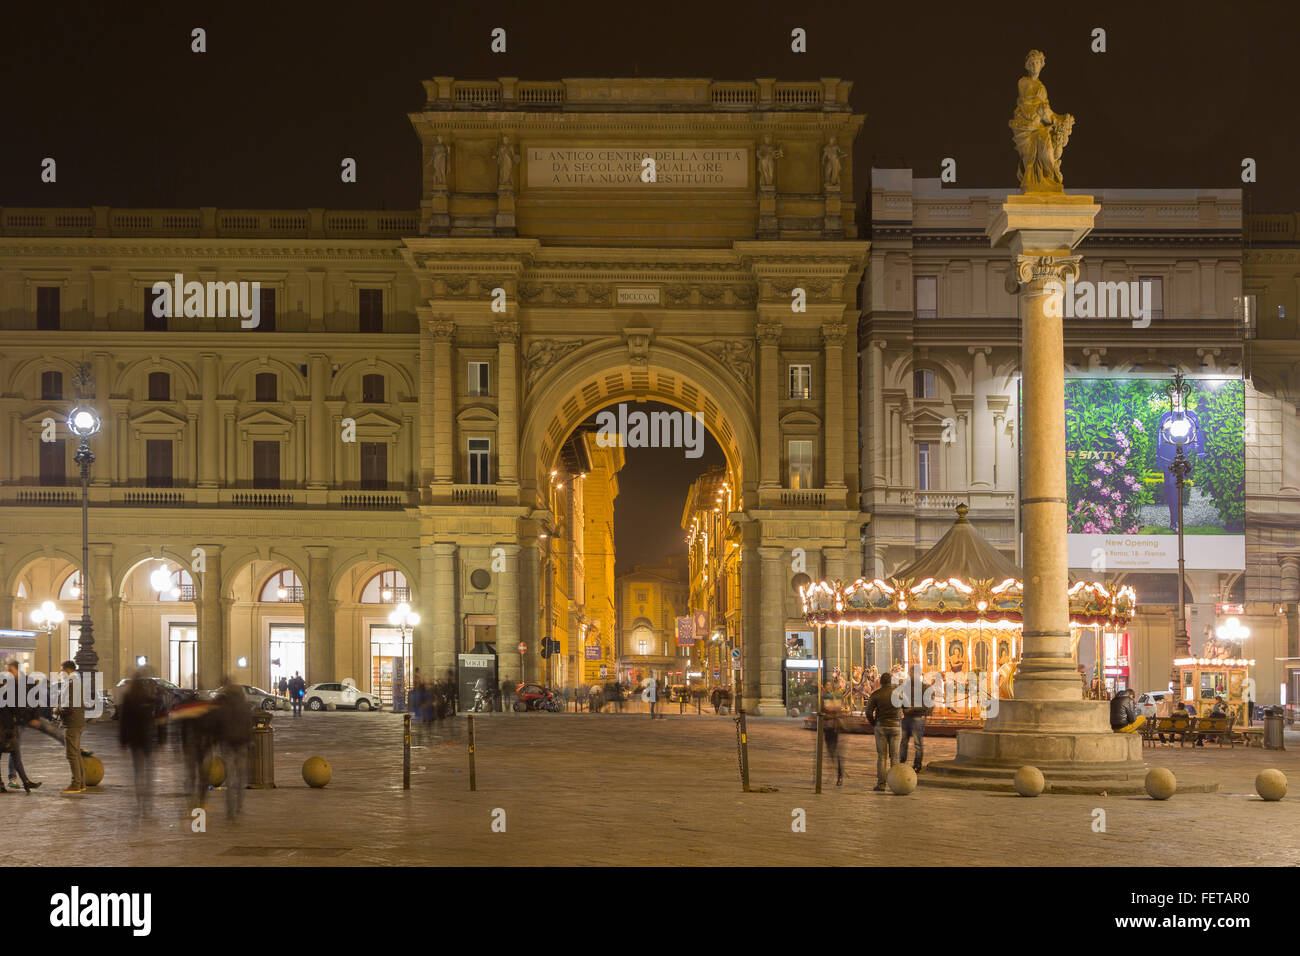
{"x":1219,"y":728}
{"x":1168,"y":727}
{"x":1251,"y":736}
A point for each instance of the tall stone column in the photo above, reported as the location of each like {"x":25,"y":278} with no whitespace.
{"x":320,"y":437}
{"x":981,"y":430}
{"x":444,"y":611}
{"x":320,"y":620}
{"x":209,"y":470}
{"x":507,"y":331}
{"x":771,"y":639}
{"x":769,"y":436}
{"x":213,"y":652}
{"x":444,"y":451}
{"x":833,"y":336}
{"x":1046,"y":724}
{"x":879,"y":441}
{"x":1045,"y":671}
{"x":508,"y":634}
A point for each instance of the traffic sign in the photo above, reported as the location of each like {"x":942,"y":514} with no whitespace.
{"x":523,"y":648}
{"x":735,"y":654}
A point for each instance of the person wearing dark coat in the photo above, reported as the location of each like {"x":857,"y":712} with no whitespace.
{"x":885,"y":713}
{"x":137,"y":718}
{"x":1124,"y":716}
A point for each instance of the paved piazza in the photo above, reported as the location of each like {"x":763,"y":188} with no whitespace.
{"x":606,"y":789}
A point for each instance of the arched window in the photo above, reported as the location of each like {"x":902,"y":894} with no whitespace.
{"x":372,"y":388}
{"x":386,"y":587}
{"x":182,"y":588}
{"x":70,"y":590}
{"x":160,"y":387}
{"x":266,"y":387}
{"x":282,"y":587}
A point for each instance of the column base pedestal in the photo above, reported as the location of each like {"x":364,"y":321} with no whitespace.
{"x":1070,"y":741}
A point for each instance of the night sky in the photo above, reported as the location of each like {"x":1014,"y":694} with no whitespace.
{"x":286,"y":90}
{"x":651,"y":495}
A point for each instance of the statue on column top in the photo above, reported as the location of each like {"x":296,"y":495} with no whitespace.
{"x":1039,"y":134}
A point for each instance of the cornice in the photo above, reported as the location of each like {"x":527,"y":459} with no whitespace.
{"x":388,"y":250}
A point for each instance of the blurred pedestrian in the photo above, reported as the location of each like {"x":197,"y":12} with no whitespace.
{"x":136,"y":716}
{"x":284,"y":686}
{"x":236,"y":739}
{"x":651,"y":695}
{"x":832,"y":712}
{"x":886,"y":717}
{"x":918,"y":704}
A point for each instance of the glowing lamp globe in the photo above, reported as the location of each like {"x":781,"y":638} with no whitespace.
{"x":413,"y":619}
{"x":83,"y":422}
{"x":161,"y":579}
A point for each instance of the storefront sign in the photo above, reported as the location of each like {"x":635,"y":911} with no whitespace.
{"x":625,"y":167}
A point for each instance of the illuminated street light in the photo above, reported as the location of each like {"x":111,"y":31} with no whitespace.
{"x":84,"y":421}
{"x":47,"y":618}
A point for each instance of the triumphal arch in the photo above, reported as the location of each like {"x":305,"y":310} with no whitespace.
{"x":598,"y":241}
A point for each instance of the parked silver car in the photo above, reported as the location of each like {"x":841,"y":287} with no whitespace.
{"x":257,"y":698}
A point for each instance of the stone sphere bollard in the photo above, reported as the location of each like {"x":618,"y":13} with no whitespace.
{"x":901,"y":779}
{"x":216,"y":771}
{"x":1029,"y":782}
{"x":1271,"y":784}
{"x":93,"y":768}
{"x":1161,"y":783}
{"x":316,"y":772}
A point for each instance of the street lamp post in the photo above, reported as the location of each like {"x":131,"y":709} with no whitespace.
{"x":47,"y":618}
{"x":1178,"y":431}
{"x":84,"y":421}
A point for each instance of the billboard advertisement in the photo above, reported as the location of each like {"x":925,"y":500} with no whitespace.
{"x":1121,"y":438}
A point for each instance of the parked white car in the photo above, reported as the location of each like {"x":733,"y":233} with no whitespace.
{"x":319,"y":696}
{"x":1146,"y":703}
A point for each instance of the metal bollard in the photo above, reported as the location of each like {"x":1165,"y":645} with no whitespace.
{"x":472,"y":780}
{"x":261,"y":770}
{"x":406,"y":751}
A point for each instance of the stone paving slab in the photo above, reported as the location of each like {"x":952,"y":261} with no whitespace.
{"x":606,"y":789}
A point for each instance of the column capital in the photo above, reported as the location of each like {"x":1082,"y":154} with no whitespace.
{"x":768,"y":333}
{"x":444,"y":549}
{"x":317,"y":552}
{"x":833,"y":333}
{"x":979,"y":350}
{"x":507,"y":330}
{"x":1030,"y":268}
{"x":442,"y":326}
{"x":771,"y":553}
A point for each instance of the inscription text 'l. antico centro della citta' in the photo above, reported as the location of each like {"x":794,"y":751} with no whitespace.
{"x":716,"y":167}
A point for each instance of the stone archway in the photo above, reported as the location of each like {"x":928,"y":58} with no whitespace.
{"x":596,"y":378}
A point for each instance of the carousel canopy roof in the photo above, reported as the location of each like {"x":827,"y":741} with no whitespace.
{"x":962,"y":553}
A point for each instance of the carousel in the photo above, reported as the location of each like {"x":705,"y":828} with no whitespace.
{"x":955,"y":613}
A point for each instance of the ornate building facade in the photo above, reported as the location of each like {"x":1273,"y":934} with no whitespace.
{"x":940,"y":365}
{"x":415,"y":378}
